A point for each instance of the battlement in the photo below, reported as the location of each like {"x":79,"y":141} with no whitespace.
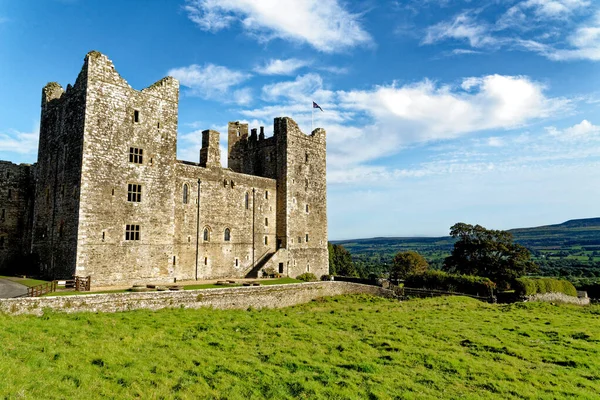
{"x":12,"y":164}
{"x":285,"y":126}
{"x":99,"y":67}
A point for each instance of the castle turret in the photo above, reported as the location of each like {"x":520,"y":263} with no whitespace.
{"x":236,"y":143}
{"x":210,"y":154}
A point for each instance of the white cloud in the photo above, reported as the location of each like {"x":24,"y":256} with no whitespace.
{"x":548,"y":149}
{"x":19,"y":142}
{"x":302,"y":86}
{"x":431,"y":112}
{"x":367,"y":125}
{"x":584,"y":41}
{"x":462,"y":27}
{"x":281,"y":67}
{"x":323,"y":24}
{"x":555,"y":29}
{"x":553,"y":9}
{"x":464,"y":51}
{"x":585,"y":130}
{"x":334,"y":70}
{"x":242,"y":96}
{"x":208,"y":80}
{"x":495,"y":142}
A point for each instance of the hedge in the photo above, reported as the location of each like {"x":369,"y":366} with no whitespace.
{"x":307,"y":277}
{"x":531,"y":286}
{"x":439,"y":280}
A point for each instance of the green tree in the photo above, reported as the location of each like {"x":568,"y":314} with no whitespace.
{"x":488,"y":253}
{"x":340,"y":261}
{"x":407,"y":263}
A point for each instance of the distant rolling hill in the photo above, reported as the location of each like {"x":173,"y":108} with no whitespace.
{"x":576,"y":239}
{"x":575,"y":232}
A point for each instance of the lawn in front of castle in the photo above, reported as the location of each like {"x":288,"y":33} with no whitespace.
{"x":349,"y":347}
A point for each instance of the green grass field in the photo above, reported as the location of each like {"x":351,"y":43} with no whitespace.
{"x":353,"y":347}
{"x":24,"y":281}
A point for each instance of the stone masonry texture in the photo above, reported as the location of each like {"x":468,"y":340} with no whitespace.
{"x":275,"y":296}
{"x":16,"y":199}
{"x":108,"y":198}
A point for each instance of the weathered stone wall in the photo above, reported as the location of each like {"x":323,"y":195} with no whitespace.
{"x":275,"y":296}
{"x":16,"y":207}
{"x":558,"y":298}
{"x":222,"y":206}
{"x":119,"y":118}
{"x":168,"y":228}
{"x":58,"y":177}
{"x":302,"y":198}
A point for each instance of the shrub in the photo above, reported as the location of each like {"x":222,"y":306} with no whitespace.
{"x":407,"y":263}
{"x":326,"y":277}
{"x":307,"y":277}
{"x":439,"y":280}
{"x":531,"y":286}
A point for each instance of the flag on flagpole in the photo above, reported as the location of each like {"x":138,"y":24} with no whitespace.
{"x":315,"y":105}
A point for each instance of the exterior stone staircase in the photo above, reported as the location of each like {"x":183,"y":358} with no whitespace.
{"x":253,"y":273}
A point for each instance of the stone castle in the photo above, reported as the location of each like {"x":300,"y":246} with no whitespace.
{"x":108,"y":198}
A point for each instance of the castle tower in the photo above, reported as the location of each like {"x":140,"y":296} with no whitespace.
{"x":103,"y":146}
{"x":55,"y":226}
{"x":302,"y":197}
{"x":298,"y":162}
{"x":129,"y":149}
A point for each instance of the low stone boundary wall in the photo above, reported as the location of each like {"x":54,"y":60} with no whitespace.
{"x":559,"y":298}
{"x":272,"y":296}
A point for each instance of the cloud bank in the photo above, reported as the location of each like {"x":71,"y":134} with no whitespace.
{"x":323,"y":24}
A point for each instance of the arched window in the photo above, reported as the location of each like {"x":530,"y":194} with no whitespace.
{"x":246,"y":200}
{"x":227,"y":235}
{"x":206,"y":236}
{"x":185,"y":194}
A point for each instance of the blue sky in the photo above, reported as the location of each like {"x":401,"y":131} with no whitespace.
{"x":436,"y":111}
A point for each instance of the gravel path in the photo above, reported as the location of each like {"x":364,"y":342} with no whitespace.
{"x":10,"y":289}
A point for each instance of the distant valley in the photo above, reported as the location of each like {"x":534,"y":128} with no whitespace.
{"x":571,"y":248}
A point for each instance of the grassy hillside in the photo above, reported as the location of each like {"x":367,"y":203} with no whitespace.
{"x":339,"y":348}
{"x":575,"y":242}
